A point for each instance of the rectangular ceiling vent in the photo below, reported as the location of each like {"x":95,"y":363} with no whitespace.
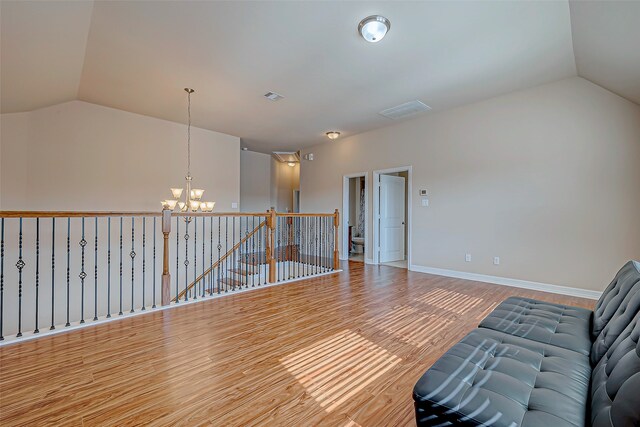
{"x":272,"y":96}
{"x":287,"y":156}
{"x":405,"y":110}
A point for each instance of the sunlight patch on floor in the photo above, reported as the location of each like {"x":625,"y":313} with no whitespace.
{"x":450,"y":301}
{"x":337,"y":368}
{"x":409,"y":325}
{"x":488,"y":310}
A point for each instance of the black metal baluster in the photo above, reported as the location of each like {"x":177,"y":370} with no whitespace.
{"x":132,"y":254}
{"x":233,"y":255}
{"x":82,"y":274}
{"x":1,"y":278}
{"x":211,"y":255}
{"x":53,"y":274}
{"x":36,"y":330}
{"x":120,"y":313}
{"x":195,"y":258}
{"x":258,"y":263}
{"x":297,"y":239}
{"x":144,"y":261}
{"x":279,"y":249}
{"x":321,"y":248}
{"x":154,"y":263}
{"x":20,"y":265}
{"x":203,"y":281}
{"x":186,"y":260}
{"x":68,"y":266}
{"x":226,"y":251}
{"x":246,"y":251}
{"x":177,"y":259}
{"x":219,"y":247}
{"x":95,"y":272}
{"x":108,"y":267}
{"x":253,"y":250}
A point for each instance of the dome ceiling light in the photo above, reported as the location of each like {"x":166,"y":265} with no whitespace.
{"x":373,"y":28}
{"x":334,"y":134}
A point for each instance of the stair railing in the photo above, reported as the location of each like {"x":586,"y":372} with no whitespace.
{"x":64,"y":269}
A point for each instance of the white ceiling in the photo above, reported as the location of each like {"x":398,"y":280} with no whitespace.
{"x":138,"y":56}
{"x":606,"y":42}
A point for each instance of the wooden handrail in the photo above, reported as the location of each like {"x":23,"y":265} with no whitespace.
{"x":222,"y":258}
{"x":295,"y":214}
{"x":208,"y":214}
{"x":71,"y":214}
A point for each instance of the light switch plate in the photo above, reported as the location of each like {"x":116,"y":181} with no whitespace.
{"x":425,"y":202}
{"x":234,"y":205}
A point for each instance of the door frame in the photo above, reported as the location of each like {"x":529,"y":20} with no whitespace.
{"x":344,"y":244}
{"x":376,"y":210}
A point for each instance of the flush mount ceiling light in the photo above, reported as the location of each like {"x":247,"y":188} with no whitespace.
{"x":373,"y":28}
{"x":334,"y":134}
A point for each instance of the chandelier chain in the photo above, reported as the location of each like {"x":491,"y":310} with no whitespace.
{"x":189,"y":136}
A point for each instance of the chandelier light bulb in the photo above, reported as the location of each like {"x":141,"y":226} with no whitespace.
{"x":177,"y":192}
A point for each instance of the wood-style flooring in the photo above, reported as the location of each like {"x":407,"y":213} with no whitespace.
{"x":340,"y":350}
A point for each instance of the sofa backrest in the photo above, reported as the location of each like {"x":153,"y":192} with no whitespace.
{"x":624,"y":314}
{"x":606,"y":307}
{"x":615,"y":381}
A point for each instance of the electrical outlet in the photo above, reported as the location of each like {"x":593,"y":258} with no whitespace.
{"x":234,"y":205}
{"x":467,"y":257}
{"x":496,"y":260}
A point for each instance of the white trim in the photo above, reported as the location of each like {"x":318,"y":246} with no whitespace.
{"x":344,"y":253}
{"x":369,"y":261}
{"x":376,"y":209}
{"x":61,"y":329}
{"x":505,"y":281}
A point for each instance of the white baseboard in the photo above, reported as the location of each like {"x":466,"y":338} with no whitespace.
{"x":505,"y":281}
{"x":369,"y":261}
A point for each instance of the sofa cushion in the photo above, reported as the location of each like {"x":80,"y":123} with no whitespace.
{"x":615,"y":381}
{"x":624,"y":314}
{"x":560,"y":325}
{"x":626,"y":279}
{"x":498,"y":379}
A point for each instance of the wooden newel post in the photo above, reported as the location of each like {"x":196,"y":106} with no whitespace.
{"x":270,"y":245}
{"x":166,"y":277}
{"x":336,"y":254}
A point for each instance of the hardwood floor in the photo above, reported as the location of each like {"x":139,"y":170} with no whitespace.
{"x":340,"y":350}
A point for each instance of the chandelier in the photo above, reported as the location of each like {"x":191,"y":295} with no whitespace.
{"x":192,"y":201}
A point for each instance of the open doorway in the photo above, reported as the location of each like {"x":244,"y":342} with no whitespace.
{"x":355,"y":208}
{"x":392,"y":217}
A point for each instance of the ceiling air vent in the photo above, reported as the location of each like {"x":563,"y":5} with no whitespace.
{"x":405,"y":110}
{"x":272,"y":96}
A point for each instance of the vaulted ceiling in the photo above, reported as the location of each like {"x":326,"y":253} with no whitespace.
{"x":138,"y":56}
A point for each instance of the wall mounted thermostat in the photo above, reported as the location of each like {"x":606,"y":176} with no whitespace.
{"x":423,"y":193}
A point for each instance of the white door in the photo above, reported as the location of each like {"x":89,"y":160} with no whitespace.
{"x":392,"y":206}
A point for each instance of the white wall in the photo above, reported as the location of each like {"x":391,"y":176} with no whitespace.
{"x":255,"y":181}
{"x":546,"y":178}
{"x":81,"y":156}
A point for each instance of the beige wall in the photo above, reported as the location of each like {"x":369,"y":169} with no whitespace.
{"x":81,"y":156}
{"x":284,"y":179}
{"x":547,"y":179}
{"x":255,"y":181}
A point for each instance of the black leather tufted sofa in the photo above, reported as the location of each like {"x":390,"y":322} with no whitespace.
{"x":532,"y":363}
